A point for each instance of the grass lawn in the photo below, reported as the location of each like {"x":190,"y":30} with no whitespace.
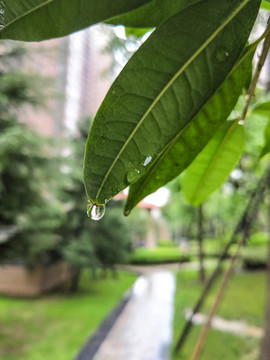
{"x":56,"y":326}
{"x":244,"y":300}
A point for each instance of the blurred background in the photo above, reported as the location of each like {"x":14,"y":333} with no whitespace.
{"x":62,"y":274}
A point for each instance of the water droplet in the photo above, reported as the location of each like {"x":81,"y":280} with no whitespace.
{"x":147,"y":160}
{"x":2,"y":27}
{"x":133,"y":174}
{"x":221,"y":54}
{"x":95,"y":212}
{"x":127,"y":212}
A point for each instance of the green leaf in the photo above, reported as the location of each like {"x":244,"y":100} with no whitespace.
{"x":35,"y":20}
{"x":183,"y":149}
{"x":214,"y":164}
{"x":163,"y":86}
{"x":266,"y":147}
{"x":137,"y":32}
{"x":265,"y":5}
{"x":262,"y":109}
{"x":152,"y":14}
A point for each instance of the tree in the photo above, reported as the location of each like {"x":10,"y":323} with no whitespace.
{"x":24,"y":172}
{"x":89,"y":244}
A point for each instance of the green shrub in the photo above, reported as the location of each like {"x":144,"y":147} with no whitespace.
{"x":257,"y":239}
{"x":255,"y":257}
{"x":144,"y":256}
{"x":166,"y":243}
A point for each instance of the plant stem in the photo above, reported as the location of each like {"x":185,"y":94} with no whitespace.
{"x":252,"y":87}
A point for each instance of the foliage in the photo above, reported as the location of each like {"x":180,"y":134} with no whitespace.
{"x":56,"y":324}
{"x":89,"y":244}
{"x":166,"y":243}
{"x":165,"y":79}
{"x":39,"y":19}
{"x":112,"y":239}
{"x":23,"y":174}
{"x":214,"y":163}
{"x":254,"y":257}
{"x":26,"y":204}
{"x":175,"y":91}
{"x":258,"y":239}
{"x":162,"y":255}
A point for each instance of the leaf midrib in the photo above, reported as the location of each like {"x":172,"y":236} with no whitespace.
{"x":176,"y":138}
{"x":27,"y":13}
{"x":212,"y":163}
{"x":179,"y":72}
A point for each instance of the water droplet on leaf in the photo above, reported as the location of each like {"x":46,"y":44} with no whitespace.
{"x":95,"y":212}
{"x":147,"y":160}
{"x":222,"y":54}
{"x":133,"y":174}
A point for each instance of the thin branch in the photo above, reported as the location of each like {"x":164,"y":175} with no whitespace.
{"x":252,"y":87}
{"x":246,"y":219}
{"x":216,"y":303}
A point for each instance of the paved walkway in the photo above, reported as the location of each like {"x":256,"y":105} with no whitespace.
{"x":236,"y":327}
{"x":144,"y":329}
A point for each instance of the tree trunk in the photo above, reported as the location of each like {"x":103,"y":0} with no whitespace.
{"x":75,"y":281}
{"x":200,"y":240}
{"x":94,"y":272}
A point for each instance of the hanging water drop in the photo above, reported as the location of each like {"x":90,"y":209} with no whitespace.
{"x":127,"y":212}
{"x":95,"y":212}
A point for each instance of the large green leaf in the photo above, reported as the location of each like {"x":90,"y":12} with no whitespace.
{"x":152,"y":14}
{"x":163,"y":86}
{"x":183,"y":149}
{"x":214,"y":163}
{"x":34,"y":20}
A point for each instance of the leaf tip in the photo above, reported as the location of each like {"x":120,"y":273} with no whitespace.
{"x":127,"y":212}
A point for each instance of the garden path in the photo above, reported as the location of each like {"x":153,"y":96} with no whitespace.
{"x":236,"y":327}
{"x":144,"y":329}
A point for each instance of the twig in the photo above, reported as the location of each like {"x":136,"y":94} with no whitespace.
{"x":252,"y":87}
{"x":216,"y":303}
{"x":253,"y":203}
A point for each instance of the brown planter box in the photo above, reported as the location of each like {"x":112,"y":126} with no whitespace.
{"x":19,"y":281}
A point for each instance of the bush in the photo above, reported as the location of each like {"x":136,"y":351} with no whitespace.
{"x":144,"y":256}
{"x":255,"y":257}
{"x":166,"y":244}
{"x":258,"y":239}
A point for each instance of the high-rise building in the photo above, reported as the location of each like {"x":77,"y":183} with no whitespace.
{"x":79,"y":70}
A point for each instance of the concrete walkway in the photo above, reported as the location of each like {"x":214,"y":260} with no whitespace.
{"x":144,"y":329}
{"x":237,"y":327}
